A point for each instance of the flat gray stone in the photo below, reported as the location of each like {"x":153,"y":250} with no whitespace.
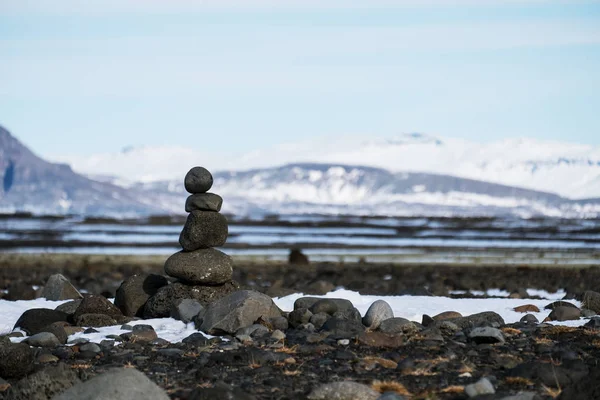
{"x":43,"y":339}
{"x":118,"y":383}
{"x":200,"y":267}
{"x":203,"y":230}
{"x":378,"y":311}
{"x":59,"y":288}
{"x":186,"y":309}
{"x":486,"y":334}
{"x":198,"y":180}
{"x":237,"y":310}
{"x":203,"y":202}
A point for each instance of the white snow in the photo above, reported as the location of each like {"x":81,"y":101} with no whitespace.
{"x":410,"y":307}
{"x":569,"y":169}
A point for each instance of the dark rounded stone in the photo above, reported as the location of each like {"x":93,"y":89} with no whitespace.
{"x":135,"y":291}
{"x":559,"y":303}
{"x":16,"y":360}
{"x":331,"y":306}
{"x":204,"y":266}
{"x":343,"y":328}
{"x":96,"y":320}
{"x":58,"y":329}
{"x":198,"y":180}
{"x":203,"y":230}
{"x":95,"y":304}
{"x":203,"y":202}
{"x":69,"y":307}
{"x":34,"y":320}
{"x":564,"y":314}
{"x":161,"y":304}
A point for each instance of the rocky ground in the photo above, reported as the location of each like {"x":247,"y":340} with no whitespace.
{"x":321,"y":350}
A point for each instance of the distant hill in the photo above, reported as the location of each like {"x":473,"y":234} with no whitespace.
{"x":33,"y":184}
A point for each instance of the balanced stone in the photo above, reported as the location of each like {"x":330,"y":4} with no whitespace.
{"x":198,"y":180}
{"x":203,"y":230}
{"x":203,"y":202}
{"x":204,"y":266}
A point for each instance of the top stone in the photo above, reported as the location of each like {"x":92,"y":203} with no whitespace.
{"x":198,"y":180}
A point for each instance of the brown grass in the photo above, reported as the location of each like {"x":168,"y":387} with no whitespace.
{"x":542,"y":340}
{"x":464,"y":369}
{"x":519,"y":380}
{"x":384,"y":362}
{"x":4,"y":387}
{"x":511,"y":331}
{"x":254,"y":365}
{"x":81,"y":366}
{"x":421,"y":372}
{"x":294,"y":372}
{"x":390,"y":386}
{"x":288,"y":350}
{"x":453,"y":389}
{"x":558,"y":329}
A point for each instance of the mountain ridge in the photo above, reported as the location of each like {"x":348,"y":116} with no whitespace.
{"x":568,"y":169}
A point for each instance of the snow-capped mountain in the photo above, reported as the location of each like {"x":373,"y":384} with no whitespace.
{"x":570,"y":170}
{"x":31,"y":184}
{"x":343,"y":189}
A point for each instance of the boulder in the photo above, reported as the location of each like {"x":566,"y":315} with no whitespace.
{"x":398,"y":325}
{"x":43,"y":339}
{"x":44,"y":384}
{"x":237,"y":310}
{"x":133,"y":293}
{"x":564,"y":314}
{"x":161,"y":304}
{"x":591,"y":300}
{"x":297,"y":257}
{"x":95,"y":320}
{"x":486,"y":334}
{"x":203,"y":230}
{"x":16,"y":360}
{"x":201,"y":267}
{"x":34,"y":320}
{"x":96,"y":304}
{"x":117,"y":383}
{"x":59,"y":288}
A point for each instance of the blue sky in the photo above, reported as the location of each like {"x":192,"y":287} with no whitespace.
{"x":87,"y":77}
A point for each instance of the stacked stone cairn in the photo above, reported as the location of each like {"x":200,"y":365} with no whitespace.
{"x":203,"y":273}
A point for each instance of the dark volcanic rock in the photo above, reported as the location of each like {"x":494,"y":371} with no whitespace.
{"x":343,"y":328}
{"x":202,"y":267}
{"x":95,"y":320}
{"x":161,"y":304}
{"x":135,"y":291}
{"x":398,"y":325}
{"x":559,"y":303}
{"x":69,"y":307}
{"x":331,"y":306}
{"x":44,"y":384}
{"x":58,"y":329}
{"x":237,"y":310}
{"x":584,"y":389}
{"x":198,"y":180}
{"x":571,"y":371}
{"x":16,"y":360}
{"x":486,"y":318}
{"x":34,"y":320}
{"x":117,"y":383}
{"x":564,"y":314}
{"x":203,"y":230}
{"x":96,"y":304}
{"x":203,"y":202}
{"x":591,"y":300}
{"x":59,"y":288}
